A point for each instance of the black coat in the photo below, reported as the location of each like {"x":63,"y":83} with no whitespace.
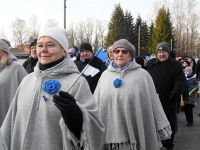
{"x":29,"y":64}
{"x":198,"y":69}
{"x":169,"y":79}
{"x":96,"y":63}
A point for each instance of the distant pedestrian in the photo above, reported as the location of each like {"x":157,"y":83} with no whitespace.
{"x":185,"y":64}
{"x":30,"y":63}
{"x":192,"y":63}
{"x":198,"y":70}
{"x":170,"y":83}
{"x":110,"y":56}
{"x":86,"y":54}
{"x":74,"y":53}
{"x":190,"y":102}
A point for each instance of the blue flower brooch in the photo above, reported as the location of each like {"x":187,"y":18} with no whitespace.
{"x":117,"y":83}
{"x":51,"y":87}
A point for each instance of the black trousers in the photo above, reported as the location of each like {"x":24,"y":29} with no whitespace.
{"x":188,"y":108}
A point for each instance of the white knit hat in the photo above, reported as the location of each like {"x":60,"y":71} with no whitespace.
{"x":58,"y":34}
{"x":4,"y":45}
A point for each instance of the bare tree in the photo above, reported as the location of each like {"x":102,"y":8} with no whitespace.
{"x":72,"y":34}
{"x":186,"y":20}
{"x":179,"y":24}
{"x":192,"y":24}
{"x":80,"y":33}
{"x":99,"y":35}
{"x":88,"y":29}
{"x":19,"y":31}
{"x":2,"y":34}
{"x":101,"y":28}
{"x":51,"y":23}
{"x":34,"y":28}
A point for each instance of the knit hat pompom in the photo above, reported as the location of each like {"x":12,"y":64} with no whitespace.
{"x":188,"y":69}
{"x":5,"y":45}
{"x":58,"y":34}
{"x":124,"y":44}
{"x":163,"y":46}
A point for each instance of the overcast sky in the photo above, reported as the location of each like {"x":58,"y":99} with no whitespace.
{"x":76,"y":10}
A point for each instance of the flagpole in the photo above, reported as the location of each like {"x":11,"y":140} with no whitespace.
{"x":78,"y":77}
{"x":82,"y":71}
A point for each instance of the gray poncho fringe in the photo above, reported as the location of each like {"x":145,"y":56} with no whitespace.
{"x":132,"y":114}
{"x":35,"y":124}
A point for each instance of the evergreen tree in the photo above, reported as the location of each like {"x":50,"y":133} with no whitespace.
{"x":144,"y":39}
{"x":151,"y":28}
{"x":129,"y":24}
{"x":163,"y":29}
{"x":116,"y":26}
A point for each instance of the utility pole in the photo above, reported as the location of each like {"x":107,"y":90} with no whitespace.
{"x":65,"y":14}
{"x":139,"y":41}
{"x":171,"y":44}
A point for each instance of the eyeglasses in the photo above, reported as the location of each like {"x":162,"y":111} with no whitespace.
{"x":123,"y":51}
{"x":48,"y":45}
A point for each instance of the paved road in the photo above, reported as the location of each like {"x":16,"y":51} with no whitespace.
{"x":188,"y":138}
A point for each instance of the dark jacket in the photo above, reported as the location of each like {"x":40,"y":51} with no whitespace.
{"x":140,"y":60}
{"x":191,"y":83}
{"x":198,"y":69}
{"x":29,"y":64}
{"x":96,"y":63}
{"x":169,"y":79}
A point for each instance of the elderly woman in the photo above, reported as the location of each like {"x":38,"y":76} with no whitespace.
{"x":11,"y":75}
{"x":70,"y":120}
{"x":129,"y":105}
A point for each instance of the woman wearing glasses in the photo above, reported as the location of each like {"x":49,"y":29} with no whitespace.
{"x":129,"y":105}
{"x":43,"y":116}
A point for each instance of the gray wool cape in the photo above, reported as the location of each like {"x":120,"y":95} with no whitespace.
{"x":2,"y":143}
{"x":35,"y":124}
{"x":132,"y":114}
{"x":10,"y":78}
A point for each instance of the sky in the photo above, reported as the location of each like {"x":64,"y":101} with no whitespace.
{"x":77,"y":10}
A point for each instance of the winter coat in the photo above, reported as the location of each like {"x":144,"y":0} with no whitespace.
{"x":192,"y":83}
{"x":36,"y":124}
{"x":29,"y":64}
{"x":169,"y":79}
{"x":198,"y":69}
{"x":96,"y":63}
{"x":132,"y":114}
{"x":10,"y":78}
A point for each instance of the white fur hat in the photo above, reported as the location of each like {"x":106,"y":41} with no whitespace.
{"x":5,"y":45}
{"x":58,"y":34}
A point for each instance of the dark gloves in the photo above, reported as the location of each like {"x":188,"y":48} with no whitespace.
{"x":174,"y":98}
{"x":70,"y":111}
{"x":167,"y":144}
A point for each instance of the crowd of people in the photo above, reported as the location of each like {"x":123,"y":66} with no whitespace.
{"x":50,"y":103}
